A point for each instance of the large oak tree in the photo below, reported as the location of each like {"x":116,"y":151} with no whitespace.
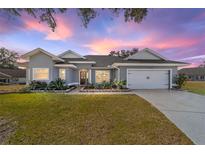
{"x":8,"y":58}
{"x":86,"y":14}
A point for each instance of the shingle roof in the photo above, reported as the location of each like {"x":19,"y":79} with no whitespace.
{"x":193,"y":71}
{"x":105,"y":60}
{"x":15,"y":73}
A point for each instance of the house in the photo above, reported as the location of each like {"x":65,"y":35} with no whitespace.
{"x":12,"y":75}
{"x":143,"y":70}
{"x":194,"y":74}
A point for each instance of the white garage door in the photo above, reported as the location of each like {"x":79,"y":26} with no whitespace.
{"x":147,"y":79}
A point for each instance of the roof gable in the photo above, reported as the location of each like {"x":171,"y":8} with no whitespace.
{"x":146,"y":54}
{"x":70,"y":54}
{"x":39,"y":50}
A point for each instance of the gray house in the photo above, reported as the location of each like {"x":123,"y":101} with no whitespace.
{"x":194,"y":74}
{"x":12,"y":75}
{"x":143,"y":70}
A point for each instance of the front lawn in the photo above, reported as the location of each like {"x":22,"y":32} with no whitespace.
{"x":11,"y":88}
{"x":86,"y":119}
{"x":195,"y":87}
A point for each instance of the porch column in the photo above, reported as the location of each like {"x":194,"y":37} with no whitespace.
{"x":90,"y":76}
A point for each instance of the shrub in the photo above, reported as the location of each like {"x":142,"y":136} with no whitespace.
{"x":38,"y":85}
{"x":119,"y":84}
{"x":89,"y":86}
{"x":181,"y":80}
{"x":58,"y":84}
{"x":103,"y":85}
{"x":106,"y":85}
{"x":25,"y":90}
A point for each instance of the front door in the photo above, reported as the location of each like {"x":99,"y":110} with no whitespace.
{"x":83,"y":77}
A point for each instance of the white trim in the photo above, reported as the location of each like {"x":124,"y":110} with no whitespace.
{"x":106,"y":68}
{"x":37,"y":50}
{"x":170,"y":79}
{"x":41,"y":79}
{"x":170,"y":74}
{"x":69,"y":51}
{"x":90,"y":76}
{"x":82,"y":62}
{"x":29,"y":74}
{"x":148,"y":64}
{"x":118,"y":72}
{"x":147,"y":50}
{"x":154,"y":53}
{"x":65,"y":65}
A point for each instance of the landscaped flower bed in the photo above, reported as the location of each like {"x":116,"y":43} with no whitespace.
{"x":57,"y":86}
{"x":116,"y":86}
{"x":54,"y":91}
{"x":84,"y":89}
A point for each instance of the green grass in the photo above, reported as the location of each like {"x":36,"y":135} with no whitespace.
{"x":11,"y":88}
{"x":195,"y":87}
{"x":87,"y":119}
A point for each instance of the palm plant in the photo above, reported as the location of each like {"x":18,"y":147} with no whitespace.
{"x":58,"y":84}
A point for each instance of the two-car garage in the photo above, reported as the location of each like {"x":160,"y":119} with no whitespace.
{"x":148,"y":78}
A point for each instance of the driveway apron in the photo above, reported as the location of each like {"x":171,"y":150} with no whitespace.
{"x":186,"y":110}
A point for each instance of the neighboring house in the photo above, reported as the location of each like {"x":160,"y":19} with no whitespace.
{"x":143,"y":70}
{"x":12,"y":75}
{"x":194,"y":74}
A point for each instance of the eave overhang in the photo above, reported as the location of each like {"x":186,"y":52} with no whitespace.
{"x":66,"y":65}
{"x":149,"y":64}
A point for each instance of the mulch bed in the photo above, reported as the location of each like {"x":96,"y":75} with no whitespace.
{"x":54,"y":91}
{"x":83,"y":89}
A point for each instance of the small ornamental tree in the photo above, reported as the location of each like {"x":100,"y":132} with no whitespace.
{"x":181,"y":80}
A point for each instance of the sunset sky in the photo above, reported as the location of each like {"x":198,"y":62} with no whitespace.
{"x":178,"y":34}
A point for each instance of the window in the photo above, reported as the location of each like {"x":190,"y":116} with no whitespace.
{"x":40,"y":74}
{"x":62,"y":74}
{"x":102,"y":76}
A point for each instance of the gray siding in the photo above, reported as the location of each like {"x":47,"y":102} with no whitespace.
{"x":41,"y":60}
{"x":123,"y":71}
{"x":55,"y":73}
{"x":69,"y":75}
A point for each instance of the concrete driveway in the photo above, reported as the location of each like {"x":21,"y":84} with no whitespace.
{"x":186,"y":110}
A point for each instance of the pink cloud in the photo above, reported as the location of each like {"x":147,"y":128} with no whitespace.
{"x":176,"y":42}
{"x":105,"y":45}
{"x":63,"y":30}
{"x":192,"y":65}
{"x":102,"y":46}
